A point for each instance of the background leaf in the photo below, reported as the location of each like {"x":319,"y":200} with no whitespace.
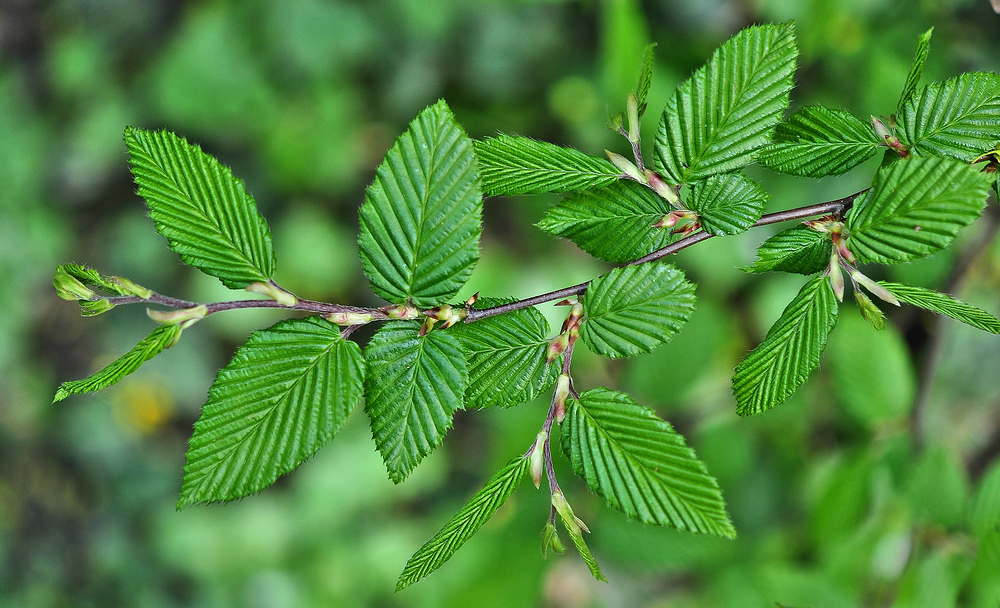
{"x":204,"y":212}
{"x":633,"y":310}
{"x":414,"y":385}
{"x":943,"y":304}
{"x":640,"y":465}
{"x":284,"y":394}
{"x":916,"y":69}
{"x":770,"y":373}
{"x":817,"y":141}
{"x":800,"y":250}
{"x":718,"y":118}
{"x":422,"y":217}
{"x":520,"y":165}
{"x":958,"y":118}
{"x":728,"y":204}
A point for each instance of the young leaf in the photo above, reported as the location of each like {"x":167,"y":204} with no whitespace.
{"x":916,"y":206}
{"x":916,"y":69}
{"x":584,"y":551}
{"x":800,"y":250}
{"x":162,"y":337}
{"x":943,"y":304}
{"x":718,"y":118}
{"x":613,"y":223}
{"x":414,"y":385}
{"x":520,"y":165}
{"x":284,"y":394}
{"x":204,"y":212}
{"x":641,"y":465}
{"x":728,"y":204}
{"x":817,"y":141}
{"x":958,"y":118}
{"x":645,"y":76}
{"x":464,"y":524}
{"x":634,"y":309}
{"x":770,"y":373}
{"x":506,"y":357}
{"x":421,"y":219}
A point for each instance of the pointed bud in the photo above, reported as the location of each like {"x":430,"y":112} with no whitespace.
{"x":131,"y":288}
{"x":632,"y":107}
{"x":456,"y":316}
{"x":888,"y":138}
{"x":185,"y":317}
{"x":844,"y":253}
{"x":557,"y":346}
{"x":401,"y":312}
{"x":92,"y":308}
{"x":472,"y":301}
{"x":836,"y":277}
{"x":566,"y":302}
{"x":688,"y":228}
{"x":347,"y":319}
{"x":573,"y":318}
{"x":550,"y":540}
{"x":876,"y":289}
{"x":626,"y":166}
{"x":573,"y":523}
{"x":667,"y":221}
{"x":561,"y":394}
{"x":869,"y":310}
{"x":274,"y":292}
{"x":427,"y":326}
{"x":537,"y":458}
{"x":69,"y":287}
{"x":665,"y":190}
{"x":616,"y":122}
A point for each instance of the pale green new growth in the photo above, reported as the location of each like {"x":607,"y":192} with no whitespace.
{"x":513,"y":165}
{"x":800,"y":250}
{"x":916,"y":69}
{"x":943,"y":304}
{"x":645,"y":76}
{"x":727,"y":204}
{"x":958,"y":118}
{"x":818,"y":141}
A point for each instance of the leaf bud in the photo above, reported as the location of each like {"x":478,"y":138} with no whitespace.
{"x":185,"y":317}
{"x":427,"y":326}
{"x":888,"y":138}
{"x":69,"y":287}
{"x":274,"y":292}
{"x":836,"y":277}
{"x":92,"y":308}
{"x":557,"y":346}
{"x":869,"y":310}
{"x":537,"y":458}
{"x":573,"y":318}
{"x":876,"y":289}
{"x":626,"y":166}
{"x":665,"y":190}
{"x":566,"y":302}
{"x":573,"y":523}
{"x":401,"y":312}
{"x":472,"y":301}
{"x":347,"y":319}
{"x":616,"y":122}
{"x":550,"y":540}
{"x":632,"y":107}
{"x":131,"y":288}
{"x":559,"y":400}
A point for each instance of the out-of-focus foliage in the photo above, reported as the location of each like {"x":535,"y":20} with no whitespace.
{"x":872,"y":486}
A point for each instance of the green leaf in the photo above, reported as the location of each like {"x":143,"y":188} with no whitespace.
{"x":464,"y":524}
{"x":162,"y":337}
{"x":634,"y":309}
{"x":204,"y":212}
{"x":958,"y":118}
{"x":613,"y":223}
{"x":916,"y":69}
{"x":727,"y":204}
{"x":584,"y":551}
{"x":801,"y":250}
{"x":718,"y":118}
{"x":519,"y":165}
{"x":916,"y":206}
{"x":641,"y":465}
{"x":645,"y":76}
{"x":817,"y":141}
{"x":284,"y":394}
{"x":505,"y":355}
{"x":413,"y":387}
{"x":92,"y":278}
{"x":770,"y":373}
{"x":943,"y":304}
{"x":422,"y":216}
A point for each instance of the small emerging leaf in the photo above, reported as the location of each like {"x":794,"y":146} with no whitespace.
{"x":728,"y":204}
{"x":801,"y":250}
{"x":817,"y":141}
{"x":943,"y":304}
{"x":916,"y":69}
{"x":645,"y":76}
{"x":519,"y":165}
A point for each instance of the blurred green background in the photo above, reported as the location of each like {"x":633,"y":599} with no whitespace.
{"x":845,"y":496}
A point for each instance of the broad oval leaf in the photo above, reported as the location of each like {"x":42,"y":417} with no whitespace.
{"x":422,"y":216}
{"x":728,"y":204}
{"x":958,"y":118}
{"x":414,"y":385}
{"x":817,"y":141}
{"x":943,"y":304}
{"x":641,"y":465}
{"x":204,"y":212}
{"x":634,"y":309}
{"x":916,"y":69}
{"x":613,"y":223}
{"x":284,"y":394}
{"x":801,"y":250}
{"x":717,"y":119}
{"x":916,"y":206}
{"x":770,"y":373}
{"x":520,"y":165}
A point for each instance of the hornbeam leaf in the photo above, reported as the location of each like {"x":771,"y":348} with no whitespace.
{"x":800,"y":249}
{"x":645,"y":76}
{"x":958,"y":118}
{"x":414,"y":385}
{"x":285,"y":393}
{"x":943,"y":304}
{"x":584,"y":551}
{"x":613,"y":223}
{"x":770,"y":373}
{"x":634,"y":309}
{"x":728,"y":204}
{"x":916,"y":206}
{"x":519,"y":165}
{"x":204,"y":212}
{"x":641,"y":465}
{"x":464,"y":524}
{"x":422,"y":216}
{"x":717,"y":119}
{"x":162,"y":337}
{"x":916,"y":69}
{"x":818,"y":141}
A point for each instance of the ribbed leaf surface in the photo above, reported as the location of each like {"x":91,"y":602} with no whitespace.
{"x":422,"y":216}
{"x":728,"y":204}
{"x":613,"y":223}
{"x":641,"y":465}
{"x":958,"y":118}
{"x":943,"y":304}
{"x":204,"y":212}
{"x":506,"y":357}
{"x":464,"y":524}
{"x":414,"y":385}
{"x":718,"y":118}
{"x":818,"y":141}
{"x":162,"y":337}
{"x":800,"y":249}
{"x":634,"y":309}
{"x":285,"y":393}
{"x":916,"y":207}
{"x":770,"y":373}
{"x":916,"y":69}
{"x":520,"y":165}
